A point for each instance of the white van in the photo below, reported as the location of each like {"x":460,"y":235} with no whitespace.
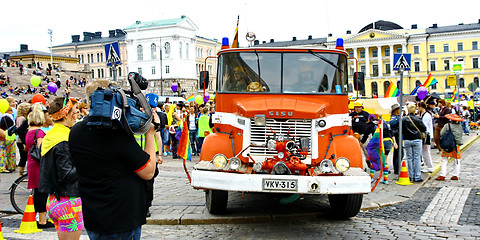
{"x":171,"y":99}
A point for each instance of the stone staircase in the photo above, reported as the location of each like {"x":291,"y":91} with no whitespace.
{"x":17,"y":80}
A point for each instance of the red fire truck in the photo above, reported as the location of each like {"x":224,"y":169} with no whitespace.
{"x":281,"y":126}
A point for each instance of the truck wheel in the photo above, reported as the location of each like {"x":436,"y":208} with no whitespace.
{"x":345,"y":206}
{"x":216,"y":201}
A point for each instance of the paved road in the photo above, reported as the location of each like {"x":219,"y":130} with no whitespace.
{"x":439,"y":210}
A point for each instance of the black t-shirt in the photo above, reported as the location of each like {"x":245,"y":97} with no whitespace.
{"x":6,"y":122}
{"x":359,"y":121}
{"x":113,"y":196}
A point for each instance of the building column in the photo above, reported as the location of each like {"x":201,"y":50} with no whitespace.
{"x":391,"y":60}
{"x":380,"y":63}
{"x":367,"y":63}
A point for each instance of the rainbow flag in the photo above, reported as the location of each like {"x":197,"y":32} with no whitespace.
{"x":191,"y":98}
{"x":454,"y":96}
{"x":375,"y":150}
{"x":392,"y":90}
{"x":430,"y":81}
{"x":235,"y":39}
{"x":184,"y":150}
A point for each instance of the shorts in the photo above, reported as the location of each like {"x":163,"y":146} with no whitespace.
{"x":66,"y":213}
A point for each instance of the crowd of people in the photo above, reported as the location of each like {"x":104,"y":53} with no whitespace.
{"x":66,"y":189}
{"x":423,"y":124}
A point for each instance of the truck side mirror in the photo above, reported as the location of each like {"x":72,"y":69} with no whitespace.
{"x":359,"y":81}
{"x":203,"y":83}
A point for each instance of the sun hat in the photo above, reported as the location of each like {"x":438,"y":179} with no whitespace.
{"x":454,"y":117}
{"x":394,"y":107}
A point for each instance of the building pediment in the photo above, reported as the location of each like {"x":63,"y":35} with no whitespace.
{"x":373,"y":35}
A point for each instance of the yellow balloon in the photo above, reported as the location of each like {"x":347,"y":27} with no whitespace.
{"x":4,"y":106}
{"x":35,"y":81}
{"x":199,"y":99}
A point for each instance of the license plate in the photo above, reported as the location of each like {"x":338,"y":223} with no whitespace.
{"x":280,"y":184}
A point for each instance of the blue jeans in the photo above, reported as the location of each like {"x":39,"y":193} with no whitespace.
{"x":193,"y":141}
{"x":466,"y":128}
{"x":165,"y":137}
{"x":413,"y":149}
{"x":135,"y":234}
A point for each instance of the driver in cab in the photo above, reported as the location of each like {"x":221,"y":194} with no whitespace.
{"x":239,"y":81}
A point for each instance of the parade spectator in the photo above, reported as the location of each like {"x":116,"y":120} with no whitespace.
{"x":112,"y":170}
{"x":359,"y":118}
{"x":36,"y":118}
{"x":441,"y":121}
{"x":192,"y":129}
{"x":7,"y":146}
{"x":165,"y":132}
{"x":394,"y":126}
{"x":457,"y":130}
{"x":412,"y":127}
{"x":427,"y":120}
{"x":58,"y":175}
{"x":466,"y":120}
{"x":177,"y":117}
{"x":84,"y":109}
{"x":203,"y":127}
{"x":22,"y":113}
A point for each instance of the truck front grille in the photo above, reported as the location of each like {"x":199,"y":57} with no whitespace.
{"x":300,"y":128}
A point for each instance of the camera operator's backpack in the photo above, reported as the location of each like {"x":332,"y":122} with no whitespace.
{"x":112,"y":108}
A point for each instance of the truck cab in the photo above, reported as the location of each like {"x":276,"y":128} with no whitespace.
{"x":281,"y":126}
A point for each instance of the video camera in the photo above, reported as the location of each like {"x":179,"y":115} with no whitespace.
{"x":115,"y":108}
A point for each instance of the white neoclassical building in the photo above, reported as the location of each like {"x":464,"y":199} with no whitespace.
{"x":163,"y":51}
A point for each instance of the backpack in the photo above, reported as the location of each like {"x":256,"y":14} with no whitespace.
{"x":447,"y":141}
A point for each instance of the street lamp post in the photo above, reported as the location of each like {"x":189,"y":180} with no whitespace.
{"x":161,"y":70}
{"x":50,"y":32}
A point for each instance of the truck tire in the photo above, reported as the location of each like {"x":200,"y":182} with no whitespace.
{"x":345,"y":206}
{"x":216,"y":201}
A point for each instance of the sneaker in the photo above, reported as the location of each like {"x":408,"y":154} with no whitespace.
{"x":384,"y":182}
{"x":440,"y":178}
{"x":165,"y":154}
{"x":169,"y":153}
{"x":46,"y":225}
{"x":419,"y":180}
{"x":454,"y":178}
{"x":372,"y":180}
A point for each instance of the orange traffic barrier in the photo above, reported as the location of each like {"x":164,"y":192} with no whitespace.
{"x":403,"y":179}
{"x":29,"y":222}
{"x":1,"y":233}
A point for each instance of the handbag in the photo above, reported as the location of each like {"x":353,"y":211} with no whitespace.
{"x":35,"y":151}
{"x":422,"y":134}
{"x":447,"y":141}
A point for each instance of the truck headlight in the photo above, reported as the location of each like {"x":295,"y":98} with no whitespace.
{"x":342,"y":164}
{"x":219,"y":161}
{"x":260,"y":120}
{"x":234,"y":163}
{"x":326,"y":166}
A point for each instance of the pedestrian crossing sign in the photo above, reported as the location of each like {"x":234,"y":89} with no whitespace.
{"x":112,"y":54}
{"x":402,"y":61}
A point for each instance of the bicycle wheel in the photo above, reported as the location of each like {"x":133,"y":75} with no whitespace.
{"x":19,"y":193}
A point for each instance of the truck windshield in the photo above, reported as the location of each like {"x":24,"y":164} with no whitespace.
{"x":295,"y":72}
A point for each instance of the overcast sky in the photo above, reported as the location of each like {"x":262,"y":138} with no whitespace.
{"x":28,"y":21}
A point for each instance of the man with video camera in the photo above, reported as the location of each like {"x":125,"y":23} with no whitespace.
{"x":112,"y":171}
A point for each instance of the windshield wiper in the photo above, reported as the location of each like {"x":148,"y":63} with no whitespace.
{"x":326,"y":60}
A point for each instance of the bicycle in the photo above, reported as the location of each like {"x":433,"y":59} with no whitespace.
{"x":19,"y":193}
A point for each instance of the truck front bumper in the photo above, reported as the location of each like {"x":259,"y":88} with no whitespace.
{"x":355,"y":181}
